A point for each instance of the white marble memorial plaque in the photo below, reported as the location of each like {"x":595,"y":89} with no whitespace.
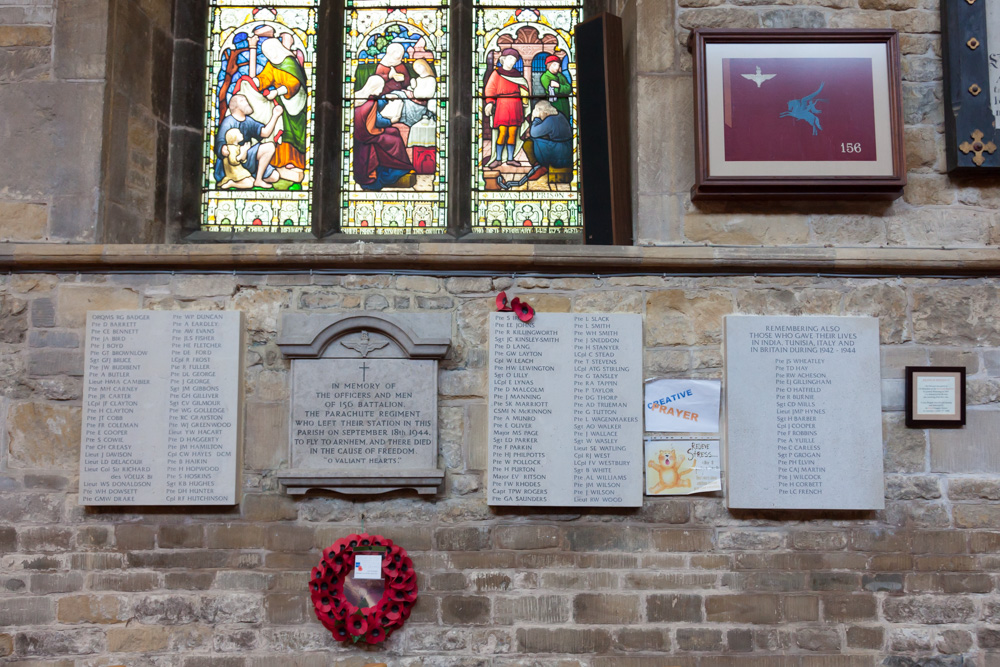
{"x":803,"y":413}
{"x":566,"y":410}
{"x":364,"y":401}
{"x":161,"y":409}
{"x":365,"y":414}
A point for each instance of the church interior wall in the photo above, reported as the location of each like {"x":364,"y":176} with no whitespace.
{"x":680,"y":577}
{"x":58,"y":67}
{"x":87,"y":127}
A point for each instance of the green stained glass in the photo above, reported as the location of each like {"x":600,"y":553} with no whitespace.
{"x":259,"y":116}
{"x":526,"y":167}
{"x":395,"y":118}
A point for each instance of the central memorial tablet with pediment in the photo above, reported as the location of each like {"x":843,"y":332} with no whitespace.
{"x":364,"y":401}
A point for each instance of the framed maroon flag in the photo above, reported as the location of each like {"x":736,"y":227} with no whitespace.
{"x":798,"y":114}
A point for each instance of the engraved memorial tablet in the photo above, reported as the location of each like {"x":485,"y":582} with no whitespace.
{"x":162,"y":413}
{"x":566,"y":410}
{"x":364,"y":401}
{"x":803,"y":413}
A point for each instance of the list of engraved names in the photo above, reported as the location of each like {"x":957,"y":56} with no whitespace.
{"x":566,"y":410}
{"x":161,"y":408}
{"x":801,"y":397}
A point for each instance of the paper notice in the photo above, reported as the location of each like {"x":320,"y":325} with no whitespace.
{"x":682,"y":406}
{"x":682,"y":466}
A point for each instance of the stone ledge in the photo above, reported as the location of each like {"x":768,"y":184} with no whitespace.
{"x":499,"y":258}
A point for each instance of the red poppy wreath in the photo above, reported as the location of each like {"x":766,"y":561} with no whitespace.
{"x":353,"y":616}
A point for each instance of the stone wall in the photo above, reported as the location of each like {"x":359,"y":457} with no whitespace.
{"x":53,"y":103}
{"x":935,"y":210}
{"x":680,"y":582}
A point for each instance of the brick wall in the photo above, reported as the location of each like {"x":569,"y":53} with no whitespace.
{"x":680,"y":582}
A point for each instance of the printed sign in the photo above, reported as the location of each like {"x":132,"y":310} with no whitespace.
{"x":683,"y":406}
{"x":368,"y":566}
{"x":682,"y":466}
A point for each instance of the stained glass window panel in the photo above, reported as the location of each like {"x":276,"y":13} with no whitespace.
{"x":395,"y":118}
{"x":259,"y":116}
{"x":526,"y":167}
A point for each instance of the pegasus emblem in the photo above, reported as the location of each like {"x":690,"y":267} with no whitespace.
{"x":759,"y":78}
{"x":805,"y":109}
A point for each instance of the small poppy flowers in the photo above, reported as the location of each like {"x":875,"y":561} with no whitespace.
{"x":520,"y":308}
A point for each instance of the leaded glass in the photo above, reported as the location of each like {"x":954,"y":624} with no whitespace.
{"x":259,"y":116}
{"x":395,"y":118}
{"x":525,"y":159}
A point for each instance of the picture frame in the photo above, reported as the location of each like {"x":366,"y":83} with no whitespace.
{"x":970,"y":45}
{"x":935,"y":396}
{"x":821,"y":119}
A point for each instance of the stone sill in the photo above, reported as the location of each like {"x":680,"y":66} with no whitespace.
{"x":493,"y":258}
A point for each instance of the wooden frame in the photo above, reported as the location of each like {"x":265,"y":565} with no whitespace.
{"x":969,"y":116}
{"x":796,"y":167}
{"x":604,"y":126}
{"x":940,"y":410}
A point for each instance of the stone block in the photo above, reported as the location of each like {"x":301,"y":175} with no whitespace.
{"x":138,"y":639}
{"x":81,"y":39}
{"x":134,"y":537}
{"x":74,"y":301}
{"x":849,"y":607}
{"x":603,"y":608}
{"x":534,"y":609}
{"x":45,"y":167}
{"x":50,"y":643}
{"x":699,"y":639}
{"x":679,"y":317}
{"x":43,"y":313}
{"x":43,"y":435}
{"x":674,"y":608}
{"x":268,"y":507}
{"x":971,"y":449}
{"x":180,"y":537}
{"x":20,"y":221}
{"x":465,"y":610}
{"x":45,"y":538}
{"x":659,"y":171}
{"x":754,"y":609}
{"x":89,"y":609}
{"x":27,"y":611}
{"x":266,"y":435}
{"x":655,"y":35}
{"x":862,"y":637}
{"x":761,"y":229}
{"x":25,"y":64}
{"x":520,"y":538}
{"x":905,"y":448}
{"x":929,"y":610}
{"x":462,"y":539}
{"x":563,"y":640}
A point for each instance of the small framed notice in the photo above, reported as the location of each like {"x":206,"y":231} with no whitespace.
{"x":935,"y":396}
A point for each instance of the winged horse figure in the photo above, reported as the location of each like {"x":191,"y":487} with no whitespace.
{"x":805,"y":109}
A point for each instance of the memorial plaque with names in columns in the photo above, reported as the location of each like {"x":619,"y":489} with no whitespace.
{"x":803,"y":413}
{"x":162,"y":408}
{"x":566,"y":410}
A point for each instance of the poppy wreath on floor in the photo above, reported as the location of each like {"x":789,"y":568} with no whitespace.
{"x":347,"y":622}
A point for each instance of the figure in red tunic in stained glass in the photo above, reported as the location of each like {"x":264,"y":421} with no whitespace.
{"x":506,"y":106}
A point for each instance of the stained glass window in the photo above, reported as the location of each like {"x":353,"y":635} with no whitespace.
{"x":395,"y":123}
{"x":259,"y":116}
{"x":525,"y":171}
